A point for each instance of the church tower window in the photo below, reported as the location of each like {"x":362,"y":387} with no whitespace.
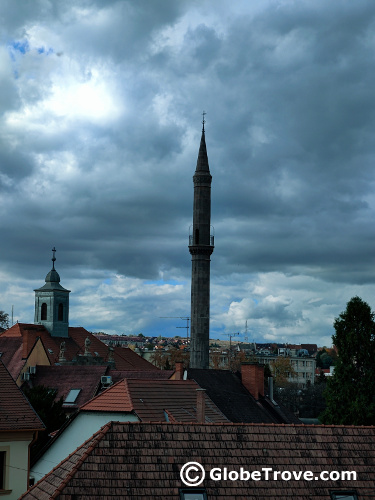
{"x":43,"y":312}
{"x":60,"y":315}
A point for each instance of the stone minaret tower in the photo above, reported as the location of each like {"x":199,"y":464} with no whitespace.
{"x":201,"y":246}
{"x":52,"y":304}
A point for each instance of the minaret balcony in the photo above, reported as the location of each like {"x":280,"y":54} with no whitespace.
{"x":194,"y":243}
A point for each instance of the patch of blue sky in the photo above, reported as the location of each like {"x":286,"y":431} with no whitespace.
{"x":45,"y":51}
{"x":21,"y":46}
{"x":108,"y":281}
{"x":163,"y":282}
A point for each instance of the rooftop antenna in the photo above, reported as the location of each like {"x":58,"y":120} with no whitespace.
{"x":246,"y":337}
{"x":185,"y":318}
{"x":230,"y":335}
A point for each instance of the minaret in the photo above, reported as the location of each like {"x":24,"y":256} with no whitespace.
{"x":52,"y":304}
{"x":201,"y":246}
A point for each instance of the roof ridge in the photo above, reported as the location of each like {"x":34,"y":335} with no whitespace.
{"x":21,"y":396}
{"x":101,"y":394}
{"x":95,"y":438}
{"x":127,"y":390}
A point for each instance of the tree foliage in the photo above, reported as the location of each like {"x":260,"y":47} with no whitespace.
{"x":4,"y":321}
{"x":350,"y":392}
{"x":306,"y":402}
{"x":282,"y":370}
{"x":50,"y":411}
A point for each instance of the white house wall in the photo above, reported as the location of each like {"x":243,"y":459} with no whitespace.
{"x":82,"y":427}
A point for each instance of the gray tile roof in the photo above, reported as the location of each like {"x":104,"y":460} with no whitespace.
{"x":143,"y":460}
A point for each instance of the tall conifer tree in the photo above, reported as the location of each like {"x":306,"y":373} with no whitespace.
{"x":350,"y":393}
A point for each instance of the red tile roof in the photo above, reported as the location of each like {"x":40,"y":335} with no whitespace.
{"x":118,"y":375}
{"x":125,"y":359}
{"x":143,"y":461}
{"x":11,"y":349}
{"x":150,"y":398}
{"x":16,"y":412}
{"x":67,"y":377}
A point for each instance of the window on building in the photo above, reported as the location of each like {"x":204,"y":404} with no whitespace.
{"x":197,"y":236}
{"x":193,"y":494}
{"x":344,"y":495}
{"x":43,"y":313}
{"x":60,"y":315}
{"x":72,"y":396}
{"x":2,"y":469}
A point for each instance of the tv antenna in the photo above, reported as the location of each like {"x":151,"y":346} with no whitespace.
{"x":230,"y":335}
{"x":185,"y":318}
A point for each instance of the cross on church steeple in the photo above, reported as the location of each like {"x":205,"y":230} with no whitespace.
{"x":203,"y":120}
{"x":53,"y":258}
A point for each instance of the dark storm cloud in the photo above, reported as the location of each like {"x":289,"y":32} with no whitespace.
{"x":100,"y":135}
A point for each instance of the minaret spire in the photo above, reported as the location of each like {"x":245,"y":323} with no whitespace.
{"x":201,"y":246}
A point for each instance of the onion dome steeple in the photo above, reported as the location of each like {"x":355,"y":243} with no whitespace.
{"x":52,"y":303}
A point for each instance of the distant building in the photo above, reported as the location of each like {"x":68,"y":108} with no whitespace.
{"x":304,"y":368}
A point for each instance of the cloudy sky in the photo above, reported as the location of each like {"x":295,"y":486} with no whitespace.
{"x":101,"y":105}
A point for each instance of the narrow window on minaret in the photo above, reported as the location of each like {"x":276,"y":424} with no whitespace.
{"x":43,"y":315}
{"x":60,"y":316}
{"x":197,"y":236}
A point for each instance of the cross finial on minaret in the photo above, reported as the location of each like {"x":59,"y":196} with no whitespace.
{"x":53,"y":258}
{"x":203,"y":120}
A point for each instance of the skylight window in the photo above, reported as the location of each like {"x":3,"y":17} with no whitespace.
{"x":344,"y":495}
{"x":72,"y":396}
{"x":193,"y":494}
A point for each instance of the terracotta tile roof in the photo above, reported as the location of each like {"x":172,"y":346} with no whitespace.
{"x":150,"y":398}
{"x":11,"y":349}
{"x":16,"y":412}
{"x":125,"y":358}
{"x":67,"y":377}
{"x":225,"y":389}
{"x":143,"y":461}
{"x":148,"y":374}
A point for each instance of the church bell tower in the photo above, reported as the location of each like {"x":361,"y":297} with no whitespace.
{"x":52,"y":304}
{"x":201,"y":246}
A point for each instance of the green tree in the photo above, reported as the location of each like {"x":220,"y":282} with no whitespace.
{"x":4,"y":321}
{"x":350,"y":392}
{"x":43,"y":400}
{"x":282,"y":370}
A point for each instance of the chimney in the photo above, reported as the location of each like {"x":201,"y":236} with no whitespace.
{"x":253,"y":378}
{"x":179,"y":370}
{"x":270,"y":389}
{"x":201,"y":418}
